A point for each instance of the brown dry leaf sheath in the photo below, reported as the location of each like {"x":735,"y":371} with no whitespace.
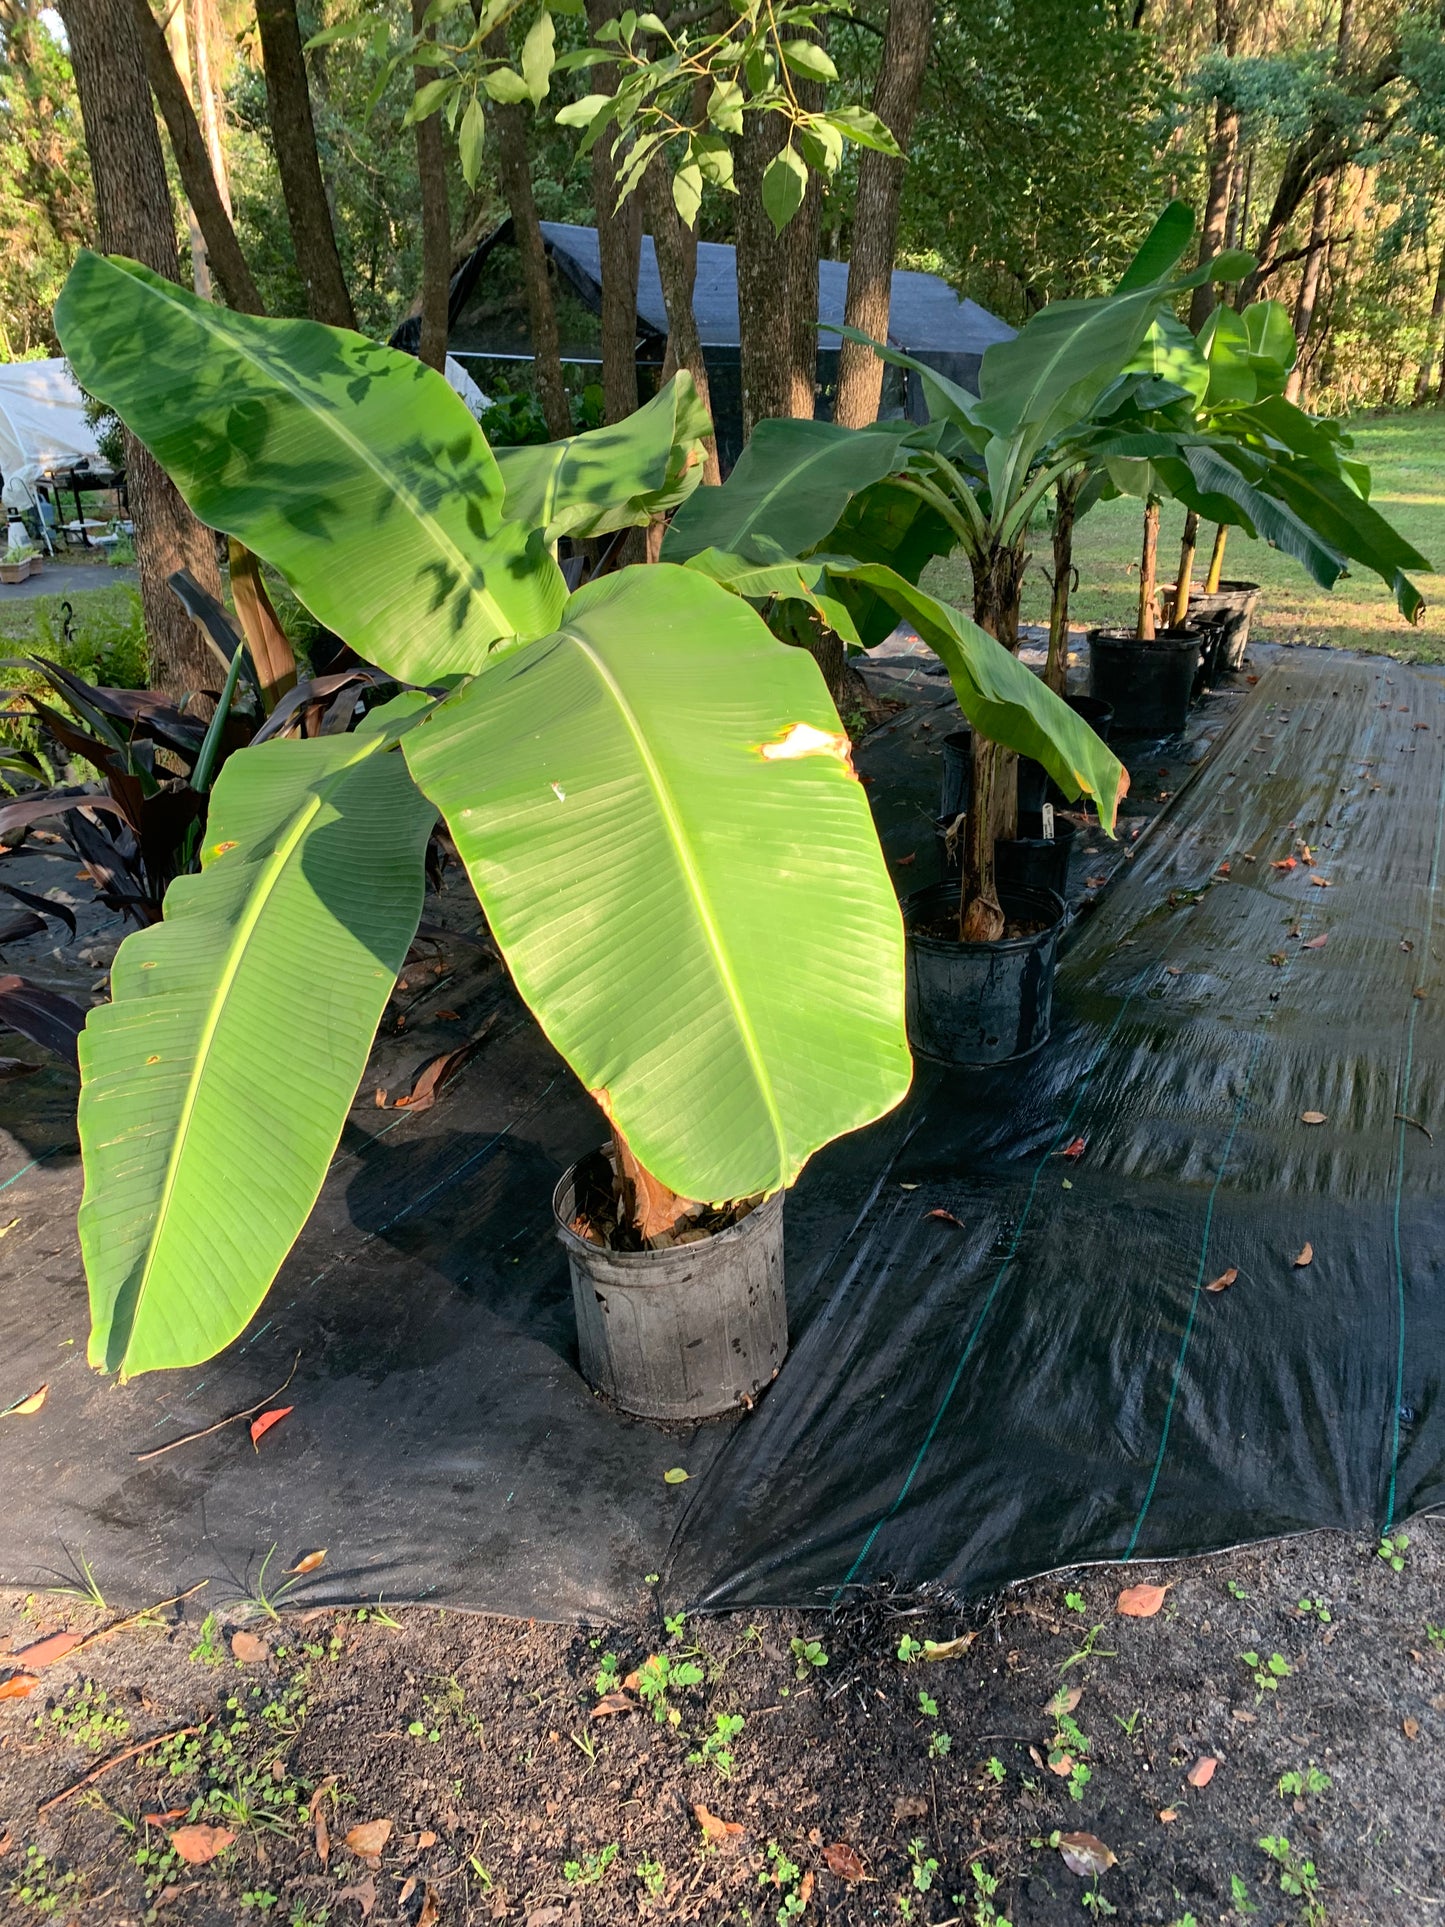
{"x":1224,"y":1280}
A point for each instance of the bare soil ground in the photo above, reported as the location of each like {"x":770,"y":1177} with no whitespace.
{"x":779,"y":1768}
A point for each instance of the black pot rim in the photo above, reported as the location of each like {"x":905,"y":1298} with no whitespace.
{"x":642,"y":1260}
{"x":1181,"y":639}
{"x":1014,"y":899}
{"x":1065,"y":830}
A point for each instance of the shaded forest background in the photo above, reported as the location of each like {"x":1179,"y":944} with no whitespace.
{"x":1048,"y":135}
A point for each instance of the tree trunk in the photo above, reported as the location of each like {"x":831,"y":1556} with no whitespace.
{"x":193,"y":163}
{"x":1216,"y":559}
{"x":515,"y":169}
{"x":1222,"y":157}
{"x":875,"y":221}
{"x":293,"y":134}
{"x":1066,"y":496}
{"x":208,"y":90}
{"x":1432,"y":339}
{"x":436,"y":219}
{"x":133,"y":207}
{"x":1148,"y":571}
{"x":178,"y":42}
{"x":1309,"y":286}
{"x":1184,"y":581}
{"x":993,"y":786}
{"x":1236,"y":202}
{"x":619,"y":246}
{"x":676,"y":245}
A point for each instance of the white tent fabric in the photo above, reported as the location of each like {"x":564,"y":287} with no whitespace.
{"x":475,"y":400}
{"x":42,"y":426}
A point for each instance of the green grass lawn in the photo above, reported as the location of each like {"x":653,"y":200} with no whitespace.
{"x":1406,"y":453}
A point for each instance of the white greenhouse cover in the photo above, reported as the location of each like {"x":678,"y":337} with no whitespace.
{"x":42,"y":425}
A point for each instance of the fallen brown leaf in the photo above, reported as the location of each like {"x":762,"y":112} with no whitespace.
{"x":19,"y":1686}
{"x":1062,"y":1764}
{"x":909,"y":1806}
{"x":321,"y":1832}
{"x":948,"y":1648}
{"x":308,"y":1564}
{"x":1306,"y":1257}
{"x":1166,"y":1814}
{"x":367,"y":1840}
{"x":805,"y":1888}
{"x":1086,"y":1855}
{"x":262,"y":1425}
{"x":840,"y":1859}
{"x":197,"y":1845}
{"x":1075,"y":1150}
{"x":1202,"y":1771}
{"x":945,"y":1217}
{"x":431,"y":1911}
{"x":1286,"y":863}
{"x":1410,"y":1728}
{"x":613,"y":1703}
{"x":1224,"y":1280}
{"x":363,"y":1892}
{"x":1095,"y":883}
{"x":1320,"y":883}
{"x":1317,"y":943}
{"x":248,"y":1649}
{"x":165,"y":1819}
{"x":1313,"y":1117}
{"x":45,"y":1652}
{"x":713,"y":1828}
{"x":434,"y":1076}
{"x":426,"y":1838}
{"x":1064,"y":1701}
{"x":1140,"y":1602}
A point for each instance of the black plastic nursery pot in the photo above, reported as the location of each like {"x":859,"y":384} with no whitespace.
{"x":1030,"y":860}
{"x":1036,"y":786}
{"x":981,"y":1003}
{"x":686,"y":1333}
{"x":957,"y":749}
{"x":1229,"y":610}
{"x":1147,"y":684}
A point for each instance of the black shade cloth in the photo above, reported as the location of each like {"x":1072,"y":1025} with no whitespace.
{"x":1045,"y":1382}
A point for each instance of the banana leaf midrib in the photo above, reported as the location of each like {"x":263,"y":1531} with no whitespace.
{"x":332,"y":420}
{"x":272,"y":871}
{"x":682,"y":849}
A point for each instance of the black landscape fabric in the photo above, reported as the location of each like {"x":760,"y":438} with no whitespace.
{"x":1040,"y":1376}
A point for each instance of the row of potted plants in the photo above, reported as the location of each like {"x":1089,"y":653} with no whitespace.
{"x":731,"y":985}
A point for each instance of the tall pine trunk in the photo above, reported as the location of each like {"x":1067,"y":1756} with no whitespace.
{"x":1223,"y":155}
{"x":1432,"y":338}
{"x":170,"y":85}
{"x":133,"y":206}
{"x":436,"y":219}
{"x":1309,"y":286}
{"x":203,"y":30}
{"x":875,"y":221}
{"x":619,"y":246}
{"x":293,"y":134}
{"x":676,"y":246}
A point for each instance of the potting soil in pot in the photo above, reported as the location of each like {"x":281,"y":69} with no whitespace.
{"x":1007,"y":1354}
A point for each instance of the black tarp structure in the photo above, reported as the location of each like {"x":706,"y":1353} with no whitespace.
{"x":1046,"y":1381}
{"x":488,"y":318}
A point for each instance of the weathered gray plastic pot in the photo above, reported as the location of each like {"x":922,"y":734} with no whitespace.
{"x":981,"y":1003}
{"x":687,"y":1333}
{"x":1230,"y":609}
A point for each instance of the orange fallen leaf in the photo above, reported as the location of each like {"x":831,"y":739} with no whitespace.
{"x":1223,"y":869}
{"x":840,"y":1859}
{"x":363,"y":1892}
{"x":1095,"y":883}
{"x":367,"y":1840}
{"x":1086,"y":1855}
{"x":1224,"y":1280}
{"x":1075,"y":1150}
{"x":1410,"y":1728}
{"x":426,"y":1838}
{"x":321,"y":1832}
{"x":906,"y":862}
{"x":262,"y":1425}
{"x":45,"y":1652}
{"x":19,"y":1686}
{"x":1320,"y":883}
{"x":1306,"y":1257}
{"x":1316,"y":943}
{"x":408,"y":1888}
{"x":26,"y":1407}
{"x":1286,"y":863}
{"x":945,"y":1217}
{"x":1062,"y":1764}
{"x":1140,"y":1602}
{"x":165,"y":1819}
{"x":197,"y":1845}
{"x":1202,"y":1771}
{"x":248,"y":1649}
{"x":1166,"y":1814}
{"x":1064,"y":1701}
{"x":450,"y":1016}
{"x":1313,"y":1117}
{"x":431,"y":1911}
{"x":806,"y":1885}
{"x":308,"y":1564}
{"x":713,"y":1828}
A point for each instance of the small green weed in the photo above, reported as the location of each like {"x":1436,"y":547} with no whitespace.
{"x":1076,"y":1602}
{"x":985,"y":1886}
{"x":1066,"y":1755}
{"x":940,"y":1745}
{"x":1096,"y":1904}
{"x":787,"y":1877}
{"x":924,"y":1868}
{"x":653,"y":1875}
{"x":1435,"y":1635}
{"x":210,"y":1646}
{"x":1267,"y":1673}
{"x":1129,"y":1726}
{"x":587,"y":1871}
{"x":1297,"y":1784}
{"x":85,"y":1588}
{"x":715,"y":1749}
{"x":910,"y":1649}
{"x":927,"y":1705}
{"x":1091,"y":1649}
{"x":1392,"y":1549}
{"x":657,"y":1677}
{"x":258,"y":1900}
{"x":1314,"y":1609}
{"x":673,"y":1624}
{"x":810,"y":1656}
{"x":1296,"y":1877}
{"x":86,"y":1718}
{"x":609,"y":1675}
{"x":1235,"y":1590}
{"x":995,"y":1769}
{"x":1239,"y":1895}
{"x":41,"y":1884}
{"x":376,"y":1615}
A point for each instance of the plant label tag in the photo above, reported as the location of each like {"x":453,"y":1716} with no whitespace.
{"x":1048,"y":822}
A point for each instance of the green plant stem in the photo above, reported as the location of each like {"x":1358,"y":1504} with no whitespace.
{"x":1216,"y":560}
{"x":1184,"y":583}
{"x":211,"y":746}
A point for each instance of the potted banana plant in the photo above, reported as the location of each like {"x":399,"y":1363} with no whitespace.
{"x":652,"y":798}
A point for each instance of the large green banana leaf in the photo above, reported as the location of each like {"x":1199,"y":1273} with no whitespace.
{"x":1326,"y":501}
{"x":790,"y":486}
{"x":656,"y":808}
{"x":615,"y":477}
{"x":215,"y":1084}
{"x":351,"y":468}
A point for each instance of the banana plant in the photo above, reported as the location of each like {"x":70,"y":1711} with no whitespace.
{"x":651,"y":795}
